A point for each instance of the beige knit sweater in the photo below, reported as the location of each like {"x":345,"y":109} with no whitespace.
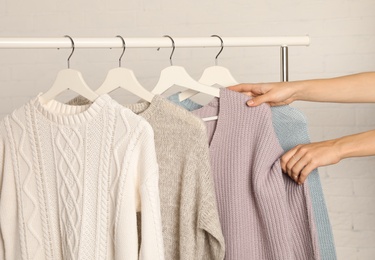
{"x":191,"y":226}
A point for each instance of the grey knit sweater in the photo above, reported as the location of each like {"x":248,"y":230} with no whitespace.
{"x":263,"y":213}
{"x":190,"y":219}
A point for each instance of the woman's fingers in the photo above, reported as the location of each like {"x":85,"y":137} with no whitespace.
{"x":256,"y":101}
{"x":246,"y":87}
{"x":295,"y":162}
{"x":275,"y":94}
{"x":291,"y":162}
{"x":256,"y":91}
{"x":287,"y":156}
{"x":301,"y":160}
{"x":305,"y":172}
{"x":300,"y":169}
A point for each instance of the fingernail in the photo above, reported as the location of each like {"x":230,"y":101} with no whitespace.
{"x":250,"y":102}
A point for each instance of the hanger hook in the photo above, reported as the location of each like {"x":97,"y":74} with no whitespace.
{"x":73,"y":47}
{"x":173,"y":46}
{"x":222,"y":47}
{"x":123,"y":50}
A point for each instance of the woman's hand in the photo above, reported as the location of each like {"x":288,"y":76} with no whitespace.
{"x":356,"y":88}
{"x":300,"y":161}
{"x":304,"y":158}
{"x":275,"y":94}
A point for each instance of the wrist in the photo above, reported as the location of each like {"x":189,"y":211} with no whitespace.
{"x":299,"y":89}
{"x":356,"y":145}
{"x":344,"y":147}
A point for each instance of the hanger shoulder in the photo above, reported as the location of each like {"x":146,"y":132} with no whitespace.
{"x":211,"y":76}
{"x":177,"y":75}
{"x":69,"y":79}
{"x":168,"y":77}
{"x":116,"y":78}
{"x":124,"y":78}
{"x":110,"y":83}
{"x":217,"y":75}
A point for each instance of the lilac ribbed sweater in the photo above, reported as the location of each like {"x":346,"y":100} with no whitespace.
{"x":291,"y":129}
{"x":263,"y":213}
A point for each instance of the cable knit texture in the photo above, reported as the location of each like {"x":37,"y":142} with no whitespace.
{"x":290,"y":126}
{"x":264,"y":214}
{"x":72,"y":179}
{"x":191,"y":226}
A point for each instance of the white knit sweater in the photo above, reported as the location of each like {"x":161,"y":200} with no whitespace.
{"x":72,"y":179}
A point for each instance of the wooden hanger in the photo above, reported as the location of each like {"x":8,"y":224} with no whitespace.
{"x":177,"y":75}
{"x":69,"y":79}
{"x":212,"y":75}
{"x":125,"y":79}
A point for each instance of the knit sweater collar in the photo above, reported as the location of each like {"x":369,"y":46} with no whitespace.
{"x":61,"y":113}
{"x":188,"y":104}
{"x":226,"y":96}
{"x":230,"y":109}
{"x":143,"y":108}
{"x":146,"y":109}
{"x":229,"y":100}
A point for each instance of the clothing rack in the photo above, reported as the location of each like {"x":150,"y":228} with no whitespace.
{"x":163,"y":42}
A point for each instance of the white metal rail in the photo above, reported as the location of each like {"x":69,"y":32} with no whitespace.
{"x":163,"y":42}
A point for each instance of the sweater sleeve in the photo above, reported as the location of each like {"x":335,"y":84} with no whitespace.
{"x":210,"y":239}
{"x":141,"y":193}
{"x":152,"y":240}
{"x":10,"y":247}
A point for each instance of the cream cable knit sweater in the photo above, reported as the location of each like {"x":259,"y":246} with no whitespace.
{"x":72,"y":180}
{"x":191,"y":226}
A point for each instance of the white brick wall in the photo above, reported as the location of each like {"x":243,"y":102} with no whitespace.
{"x":342,"y":42}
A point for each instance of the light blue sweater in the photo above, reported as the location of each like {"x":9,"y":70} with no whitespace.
{"x":291,"y":129}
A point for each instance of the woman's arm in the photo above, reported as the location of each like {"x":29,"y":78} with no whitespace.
{"x":349,"y":89}
{"x":301,"y":160}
